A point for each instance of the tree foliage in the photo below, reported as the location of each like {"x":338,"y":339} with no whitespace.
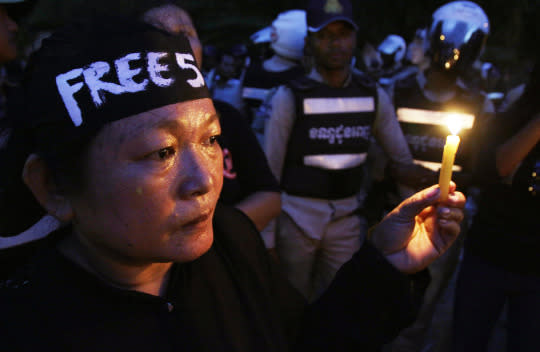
{"x":223,"y":23}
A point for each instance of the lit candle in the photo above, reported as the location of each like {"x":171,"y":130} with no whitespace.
{"x":449,"y":155}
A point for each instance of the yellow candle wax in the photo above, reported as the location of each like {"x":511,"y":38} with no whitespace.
{"x":449,"y":154}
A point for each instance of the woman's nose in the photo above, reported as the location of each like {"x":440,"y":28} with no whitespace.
{"x":196,"y":174}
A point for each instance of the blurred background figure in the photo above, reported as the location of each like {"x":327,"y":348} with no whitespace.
{"x":226,"y":80}
{"x":425,"y":103}
{"x":259,"y":46}
{"x":416,"y":50}
{"x":501,"y":266}
{"x":393,"y":50}
{"x":211,"y":58}
{"x":286,"y":36}
{"x":10,"y":70}
{"x":8,"y":30}
{"x":371,"y":60}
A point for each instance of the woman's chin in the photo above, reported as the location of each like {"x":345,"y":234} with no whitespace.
{"x":194,"y":246}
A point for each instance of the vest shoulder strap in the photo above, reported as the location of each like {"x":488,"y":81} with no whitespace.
{"x":303,"y":83}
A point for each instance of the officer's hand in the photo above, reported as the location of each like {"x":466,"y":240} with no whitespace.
{"x":420,"y":229}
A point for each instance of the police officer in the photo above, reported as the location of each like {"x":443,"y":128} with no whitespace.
{"x":226,"y":80}
{"x":394,"y":68}
{"x":286,"y":35}
{"x":425,"y":105}
{"x":316,"y":142}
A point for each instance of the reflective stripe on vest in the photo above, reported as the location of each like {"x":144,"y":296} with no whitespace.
{"x":428,"y":117}
{"x":335,"y":161}
{"x":338,"y":105}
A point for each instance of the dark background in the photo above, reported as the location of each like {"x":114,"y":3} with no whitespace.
{"x":514,"y":30}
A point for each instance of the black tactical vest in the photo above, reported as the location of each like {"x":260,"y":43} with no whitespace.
{"x":424,"y":123}
{"x":329,"y":139}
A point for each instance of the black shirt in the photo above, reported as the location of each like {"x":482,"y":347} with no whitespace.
{"x":230,"y":299}
{"x":246,"y":169}
{"x":506,"y":229}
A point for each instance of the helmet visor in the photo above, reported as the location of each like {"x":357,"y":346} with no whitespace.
{"x":455,"y":43}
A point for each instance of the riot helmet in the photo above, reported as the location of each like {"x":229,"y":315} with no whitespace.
{"x":392,"y":50}
{"x":457,"y":36}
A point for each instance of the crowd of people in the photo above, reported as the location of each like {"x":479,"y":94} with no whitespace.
{"x":161,"y":194}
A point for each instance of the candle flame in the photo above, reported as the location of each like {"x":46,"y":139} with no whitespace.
{"x":454,"y":124}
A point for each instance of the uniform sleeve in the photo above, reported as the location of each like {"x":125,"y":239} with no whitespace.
{"x":278,"y":129}
{"x":482,"y":126}
{"x":387,"y":131}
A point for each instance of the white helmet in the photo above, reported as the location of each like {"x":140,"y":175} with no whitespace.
{"x":286,"y":34}
{"x":463,"y":11}
{"x":392,"y":50}
{"x":261,"y":36}
{"x":457,"y":35}
{"x":289,"y":31}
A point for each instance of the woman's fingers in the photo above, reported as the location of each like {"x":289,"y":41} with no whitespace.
{"x":450,"y":214}
{"x":455,"y":199}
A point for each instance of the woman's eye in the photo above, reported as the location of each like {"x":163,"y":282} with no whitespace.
{"x":166,"y":153}
{"x":213,"y":140}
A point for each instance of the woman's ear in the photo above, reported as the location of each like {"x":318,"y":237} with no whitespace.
{"x":38,"y":178}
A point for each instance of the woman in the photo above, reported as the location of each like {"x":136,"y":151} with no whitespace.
{"x":248,"y":183}
{"x":121,"y":138}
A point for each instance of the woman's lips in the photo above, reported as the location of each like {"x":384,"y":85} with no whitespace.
{"x":198,"y":221}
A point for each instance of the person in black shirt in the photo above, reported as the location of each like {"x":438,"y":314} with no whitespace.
{"x":501,"y":264}
{"x":124,"y":150}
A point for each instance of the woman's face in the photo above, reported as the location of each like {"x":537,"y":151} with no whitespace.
{"x":152,"y":183}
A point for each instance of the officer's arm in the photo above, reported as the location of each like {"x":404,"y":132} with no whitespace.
{"x":278,"y":129}
{"x":388,"y":133}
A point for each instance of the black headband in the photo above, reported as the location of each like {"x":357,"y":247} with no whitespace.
{"x":96,"y":72}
